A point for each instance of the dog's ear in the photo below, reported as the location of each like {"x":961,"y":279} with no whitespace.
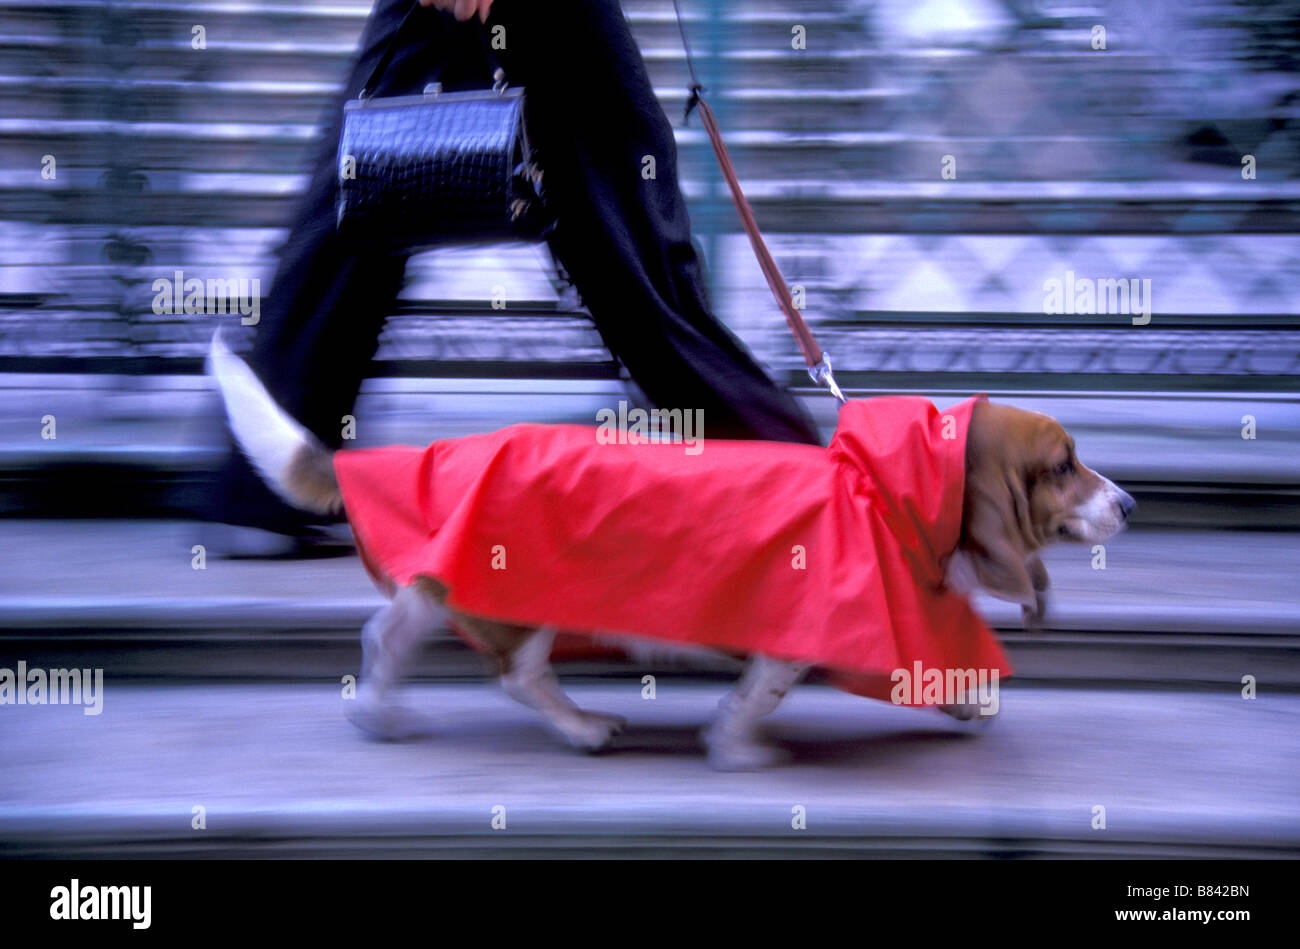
{"x":996,"y":529}
{"x":993,"y":537}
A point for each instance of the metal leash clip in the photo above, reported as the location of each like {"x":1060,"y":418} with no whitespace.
{"x":823,"y":376}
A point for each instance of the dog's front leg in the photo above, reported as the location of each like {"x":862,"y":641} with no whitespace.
{"x":732,"y":739}
{"x":387,"y":641}
{"x":1033,"y":618}
{"x":528,"y":678}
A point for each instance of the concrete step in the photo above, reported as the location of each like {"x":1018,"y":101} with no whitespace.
{"x":1179,"y":607}
{"x":144,"y":445}
{"x":787,"y":204}
{"x":169,"y":155}
{"x":207,"y":147}
{"x":280,"y":773}
{"x":1170,"y":439}
{"x":1185,"y":449}
{"x":258,"y":58}
{"x":285,"y":102}
{"x":328,"y":26}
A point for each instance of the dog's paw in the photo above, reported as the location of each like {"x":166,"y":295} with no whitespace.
{"x":968,"y":712}
{"x":595,"y":731}
{"x":387,"y":722}
{"x":1032,"y":618}
{"x":742,"y":753}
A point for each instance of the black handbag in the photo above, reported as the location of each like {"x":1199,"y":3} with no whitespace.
{"x":438,"y":167}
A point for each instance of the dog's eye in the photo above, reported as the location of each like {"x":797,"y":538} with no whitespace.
{"x":1063,"y":531}
{"x":1064,"y":468}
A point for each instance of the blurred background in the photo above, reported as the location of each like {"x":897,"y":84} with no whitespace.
{"x":922,"y":169}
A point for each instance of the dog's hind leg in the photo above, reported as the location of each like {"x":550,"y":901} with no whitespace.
{"x":527,"y":677}
{"x":387,"y":641}
{"x":732,"y":739}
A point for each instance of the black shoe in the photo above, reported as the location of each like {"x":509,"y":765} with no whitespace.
{"x":238,"y":542}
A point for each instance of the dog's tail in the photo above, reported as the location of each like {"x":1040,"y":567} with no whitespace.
{"x":291,"y":459}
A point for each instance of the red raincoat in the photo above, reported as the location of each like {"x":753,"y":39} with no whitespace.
{"x":831,"y":556}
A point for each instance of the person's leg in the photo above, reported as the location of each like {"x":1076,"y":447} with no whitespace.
{"x":329,"y":297}
{"x":623,"y":233}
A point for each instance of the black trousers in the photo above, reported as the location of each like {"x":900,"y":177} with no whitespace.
{"x":623,"y":239}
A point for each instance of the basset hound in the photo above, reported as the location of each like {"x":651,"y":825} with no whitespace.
{"x":1024,"y":488}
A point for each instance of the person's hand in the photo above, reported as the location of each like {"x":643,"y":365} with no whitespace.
{"x":461,"y":9}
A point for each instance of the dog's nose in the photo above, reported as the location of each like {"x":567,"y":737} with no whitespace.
{"x":1126,"y":504}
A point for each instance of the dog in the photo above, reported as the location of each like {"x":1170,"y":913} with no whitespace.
{"x":1023,"y":487}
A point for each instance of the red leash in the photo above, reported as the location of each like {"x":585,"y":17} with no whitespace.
{"x":819,"y":362}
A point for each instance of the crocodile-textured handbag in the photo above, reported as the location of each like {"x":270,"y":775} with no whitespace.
{"x":439,"y":167}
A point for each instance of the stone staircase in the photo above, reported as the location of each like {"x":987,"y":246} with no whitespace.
{"x":1115,"y":163}
{"x":174,"y":157}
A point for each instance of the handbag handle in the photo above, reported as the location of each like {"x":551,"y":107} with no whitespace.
{"x":390,"y":50}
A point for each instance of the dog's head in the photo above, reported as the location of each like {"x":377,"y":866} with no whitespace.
{"x":1026,"y":488}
